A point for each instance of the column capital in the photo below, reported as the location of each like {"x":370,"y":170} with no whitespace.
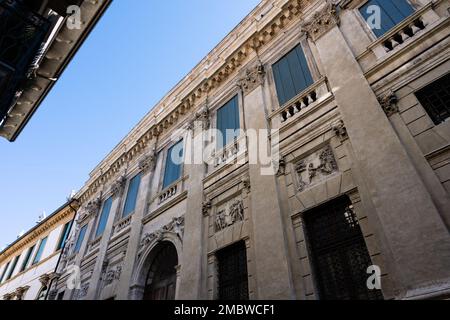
{"x":253,"y":78}
{"x":322,"y":21}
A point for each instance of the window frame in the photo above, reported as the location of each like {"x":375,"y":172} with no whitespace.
{"x":122,"y":215}
{"x":77,"y":248}
{"x":311,"y":62}
{"x":39,"y":253}
{"x":13,"y":267}
{"x":97,"y":224}
{"x":224,"y":144}
{"x":64,"y":235}
{"x":27,"y":258}
{"x":425,"y":109}
{"x":164,"y":164}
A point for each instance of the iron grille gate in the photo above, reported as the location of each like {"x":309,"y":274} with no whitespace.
{"x":339,"y":253}
{"x":435,"y":98}
{"x":233,"y":278}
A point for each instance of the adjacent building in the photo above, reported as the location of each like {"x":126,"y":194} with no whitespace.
{"x":27,"y":266}
{"x":38,"y":38}
{"x":359,"y":108}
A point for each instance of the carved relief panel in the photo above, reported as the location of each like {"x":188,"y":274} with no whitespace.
{"x":315,"y":168}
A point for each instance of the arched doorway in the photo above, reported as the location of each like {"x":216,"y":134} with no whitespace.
{"x":162,"y":276}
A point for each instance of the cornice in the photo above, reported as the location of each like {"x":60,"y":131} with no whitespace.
{"x":262,"y":25}
{"x":35,"y":233}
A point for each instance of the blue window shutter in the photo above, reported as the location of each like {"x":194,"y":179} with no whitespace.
{"x":228,"y":119}
{"x":27,"y":258}
{"x":80,"y":239}
{"x":392,"y":13}
{"x":41,"y":247}
{"x":172,"y":170}
{"x":64,"y":235}
{"x":291,"y":74}
{"x":133,"y":189}
{"x":104,"y":217}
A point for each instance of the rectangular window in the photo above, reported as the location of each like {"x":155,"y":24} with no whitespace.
{"x":13,"y":266}
{"x":103,"y":217}
{"x":27,"y":258}
{"x":174,"y":161}
{"x":292,"y":75}
{"x":233,"y":277}
{"x":41,"y":247}
{"x":4,"y":271}
{"x":435,"y":99}
{"x":228,"y":122}
{"x":392,"y":13}
{"x":338,"y":252}
{"x":80,"y":239}
{"x":130,"y":201}
{"x":64,"y":235}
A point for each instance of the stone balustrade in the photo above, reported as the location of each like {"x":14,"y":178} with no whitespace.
{"x":405,"y":31}
{"x":122,"y":224}
{"x":168,"y":193}
{"x":302,"y":101}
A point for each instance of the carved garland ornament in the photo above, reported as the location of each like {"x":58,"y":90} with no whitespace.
{"x":148,"y":163}
{"x":118,"y":186}
{"x":112,"y":274}
{"x":176,"y":226}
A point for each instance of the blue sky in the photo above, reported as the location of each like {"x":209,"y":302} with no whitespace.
{"x":138,"y":51}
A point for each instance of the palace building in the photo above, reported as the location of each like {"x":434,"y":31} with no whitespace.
{"x":38,"y":38}
{"x":27,"y":266}
{"x":359,"y":109}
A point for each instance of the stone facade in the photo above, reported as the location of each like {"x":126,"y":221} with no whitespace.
{"x":358,"y":131}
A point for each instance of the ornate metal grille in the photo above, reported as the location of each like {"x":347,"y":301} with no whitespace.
{"x":233,"y":278}
{"x":339,"y":253}
{"x":21,"y":34}
{"x":435,"y":98}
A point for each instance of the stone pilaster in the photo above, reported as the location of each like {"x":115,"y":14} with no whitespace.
{"x":193,"y":271}
{"x":123,"y":289}
{"x":273,"y":280}
{"x":95,"y":280}
{"x":413,"y":233}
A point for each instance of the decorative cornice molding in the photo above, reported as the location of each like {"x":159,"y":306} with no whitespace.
{"x":389,"y":103}
{"x":253,"y":78}
{"x":322,"y":21}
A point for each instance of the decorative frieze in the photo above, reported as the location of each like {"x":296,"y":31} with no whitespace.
{"x":315,"y":168}
{"x":112,"y":275}
{"x":226,"y":217}
{"x":389,"y":103}
{"x":253,"y":78}
{"x":322,"y":21}
{"x":90,"y":210}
